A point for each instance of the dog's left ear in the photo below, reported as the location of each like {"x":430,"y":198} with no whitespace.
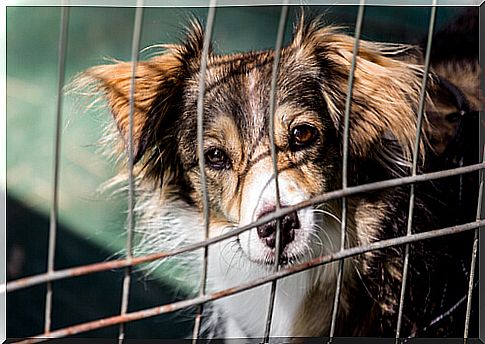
{"x":385,"y":91}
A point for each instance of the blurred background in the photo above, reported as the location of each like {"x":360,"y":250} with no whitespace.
{"x":91,"y":222}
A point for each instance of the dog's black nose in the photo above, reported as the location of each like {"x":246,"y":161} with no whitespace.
{"x":289,"y":223}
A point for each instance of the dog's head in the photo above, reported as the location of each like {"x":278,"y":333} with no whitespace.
{"x":309,"y":121}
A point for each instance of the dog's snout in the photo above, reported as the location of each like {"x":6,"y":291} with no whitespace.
{"x":289,"y":223}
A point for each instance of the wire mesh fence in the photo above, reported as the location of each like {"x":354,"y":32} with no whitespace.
{"x":279,"y":272}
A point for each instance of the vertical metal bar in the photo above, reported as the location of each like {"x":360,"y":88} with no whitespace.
{"x":419,"y":124}
{"x":135,"y":47}
{"x":474,"y":257}
{"x":345,"y":157}
{"x":200,"y":142}
{"x":61,"y":70}
{"x":272,"y":108}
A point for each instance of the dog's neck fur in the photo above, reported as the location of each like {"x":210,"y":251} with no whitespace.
{"x":168,"y":225}
{"x":228,"y":268}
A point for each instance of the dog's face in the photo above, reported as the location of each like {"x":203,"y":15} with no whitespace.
{"x":239,"y":167}
{"x":310,"y":103}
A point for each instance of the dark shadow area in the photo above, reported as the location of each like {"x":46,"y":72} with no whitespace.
{"x":78,"y":299}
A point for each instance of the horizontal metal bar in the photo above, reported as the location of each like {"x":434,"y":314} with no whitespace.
{"x":150,"y":312}
{"x":116,"y":264}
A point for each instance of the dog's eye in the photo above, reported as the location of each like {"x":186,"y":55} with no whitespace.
{"x":302,"y":136}
{"x":217,"y":159}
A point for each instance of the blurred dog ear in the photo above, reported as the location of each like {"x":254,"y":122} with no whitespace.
{"x":385,"y":93}
{"x":155,"y":89}
{"x":158,"y":85}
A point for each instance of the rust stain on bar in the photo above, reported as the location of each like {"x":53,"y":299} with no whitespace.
{"x":116,"y":264}
{"x":146,"y":313}
{"x":82,"y":270}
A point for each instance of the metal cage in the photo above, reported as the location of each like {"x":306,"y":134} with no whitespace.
{"x":52,"y":275}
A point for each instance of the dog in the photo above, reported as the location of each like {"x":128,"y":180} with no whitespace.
{"x":309,"y":123}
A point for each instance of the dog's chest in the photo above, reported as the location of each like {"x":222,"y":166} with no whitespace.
{"x":245,"y":313}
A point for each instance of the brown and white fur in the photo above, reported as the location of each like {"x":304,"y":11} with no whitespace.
{"x":310,"y":102}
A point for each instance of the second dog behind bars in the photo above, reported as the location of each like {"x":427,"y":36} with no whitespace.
{"x":311,"y":92}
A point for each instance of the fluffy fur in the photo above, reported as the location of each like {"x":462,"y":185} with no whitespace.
{"x":311,"y":93}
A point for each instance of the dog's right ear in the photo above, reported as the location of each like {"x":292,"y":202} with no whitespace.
{"x":159,"y":84}
{"x":154,"y":94}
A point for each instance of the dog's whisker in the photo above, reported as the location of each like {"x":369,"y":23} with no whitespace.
{"x":328,"y":213}
{"x":327,"y":236}
{"x":318,"y":242}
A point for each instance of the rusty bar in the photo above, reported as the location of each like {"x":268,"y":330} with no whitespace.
{"x":422,"y":99}
{"x":135,"y":47}
{"x":345,"y":159}
{"x":61,"y":70}
{"x":382,"y":244}
{"x":200,"y":142}
{"x":474,"y":257}
{"x":272,"y":108}
{"x":121,"y":263}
